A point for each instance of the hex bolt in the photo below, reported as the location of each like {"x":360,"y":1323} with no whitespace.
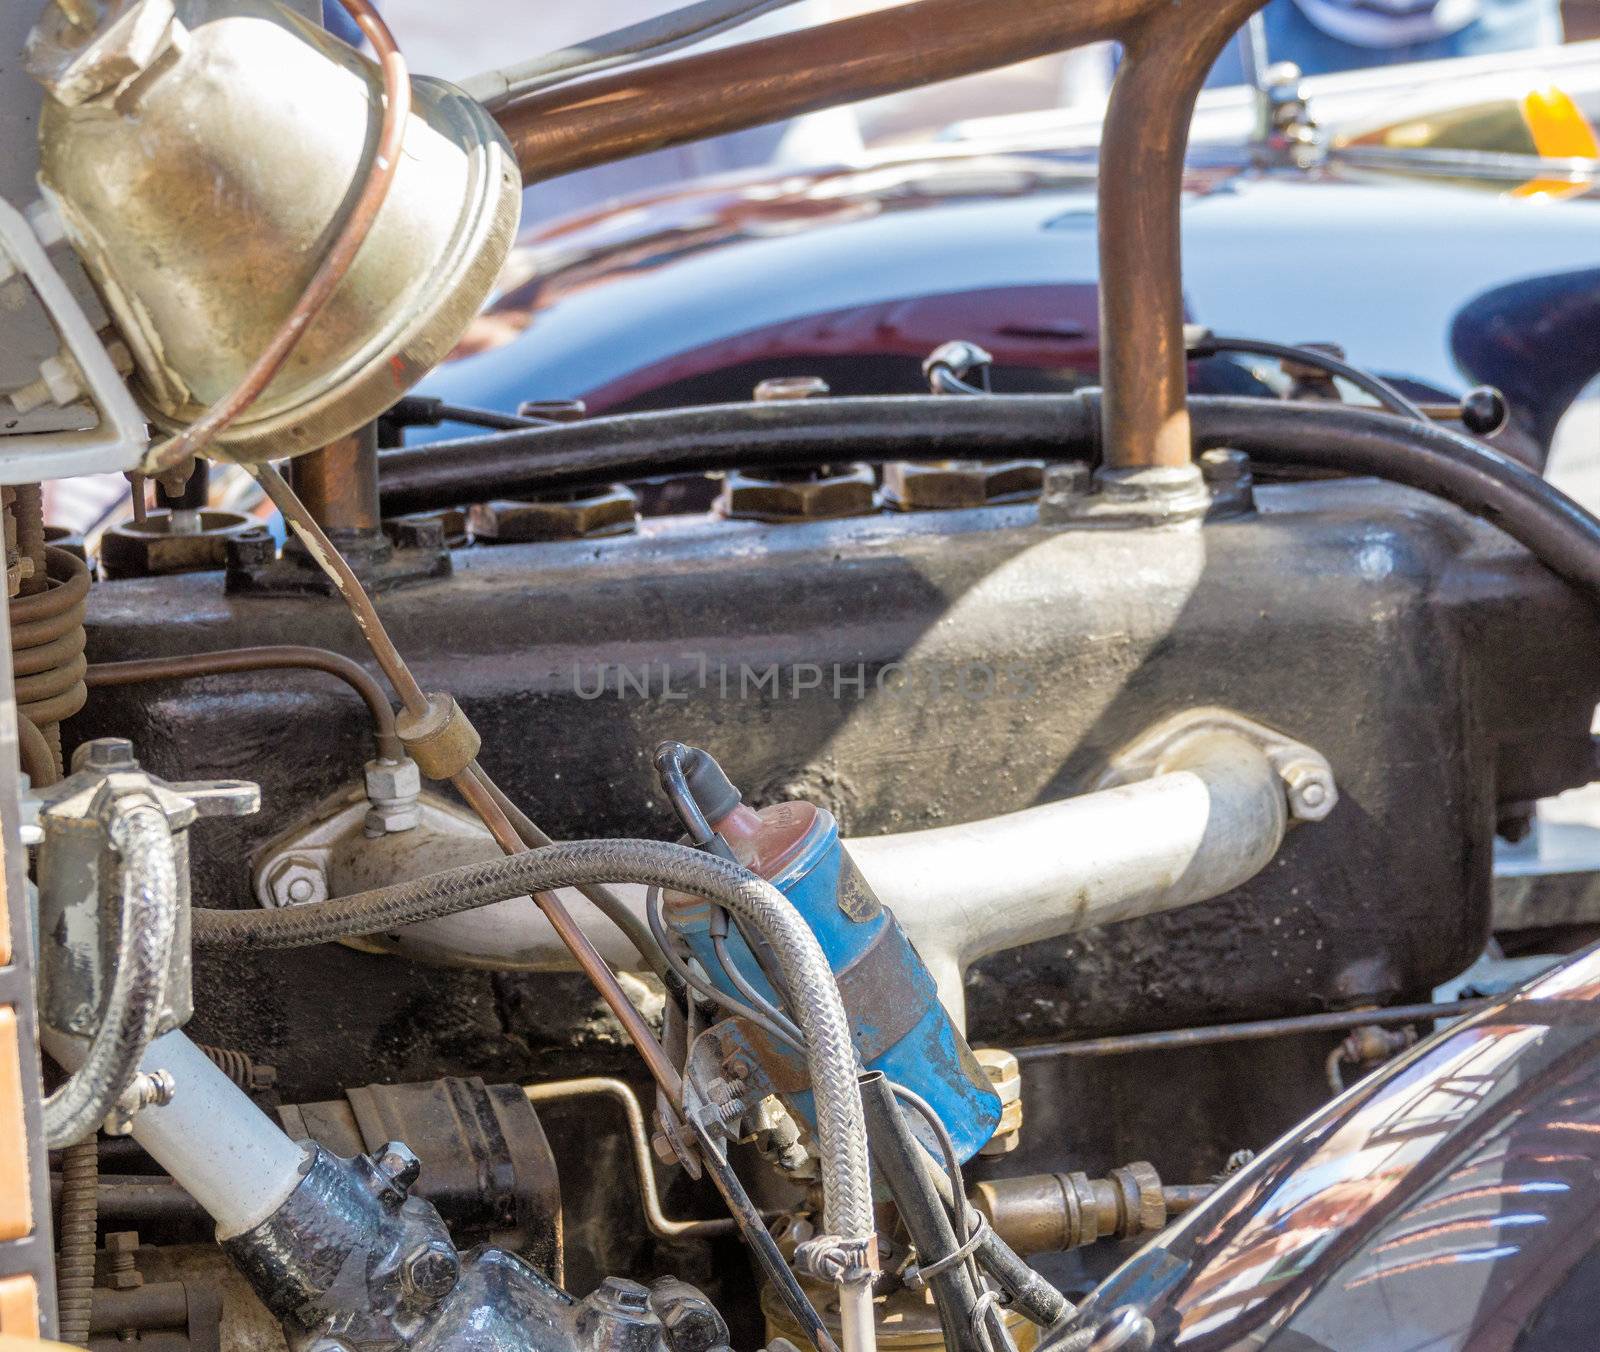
{"x":1311,"y":792}
{"x":398,"y":1165}
{"x":105,"y":754}
{"x":121,"y":1246}
{"x":430,"y":1271}
{"x":295,"y":880}
{"x":1224,"y":466}
{"x":622,"y":1295}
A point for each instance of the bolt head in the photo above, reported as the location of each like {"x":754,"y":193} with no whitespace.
{"x":430,"y":1271}
{"x":393,"y":779}
{"x":399,"y":1165}
{"x":105,"y":754}
{"x":1312,"y":795}
{"x":621,"y":1294}
{"x":296,"y":880}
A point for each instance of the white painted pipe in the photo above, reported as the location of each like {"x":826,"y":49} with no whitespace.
{"x":1209,"y":820}
{"x":227,"y":1154}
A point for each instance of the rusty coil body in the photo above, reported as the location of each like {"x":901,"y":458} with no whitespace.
{"x":47,"y":640}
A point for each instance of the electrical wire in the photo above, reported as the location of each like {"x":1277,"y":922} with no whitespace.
{"x":1209,"y":344}
{"x":636,"y":42}
{"x":376,"y":176}
{"x":719,"y":946}
{"x":960,"y":1213}
{"x":701,"y":986}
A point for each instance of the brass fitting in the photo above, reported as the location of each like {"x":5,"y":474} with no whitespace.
{"x":1049,"y":1213}
{"x":1005,"y":1075}
{"x":442,"y":741}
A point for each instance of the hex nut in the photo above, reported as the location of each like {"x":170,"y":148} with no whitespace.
{"x":1312,"y":795}
{"x":393,"y":779}
{"x":105,"y":754}
{"x":398,"y":1165}
{"x":295,"y":880}
{"x":944,"y":485}
{"x":430,"y":1271}
{"x":781,"y":389}
{"x":845,"y":490}
{"x":1004,"y":1072}
{"x":581,"y":516}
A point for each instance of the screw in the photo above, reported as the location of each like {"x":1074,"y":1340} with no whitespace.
{"x":105,"y":754}
{"x":431,"y":1271}
{"x":720,"y":1092}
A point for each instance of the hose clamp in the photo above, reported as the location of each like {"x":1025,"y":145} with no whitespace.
{"x":833,"y":1258}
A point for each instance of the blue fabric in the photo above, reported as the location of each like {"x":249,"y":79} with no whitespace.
{"x":336,"y":19}
{"x":1504,"y":26}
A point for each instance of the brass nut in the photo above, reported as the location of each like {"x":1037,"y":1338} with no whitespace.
{"x":151,"y":549}
{"x":848,"y":490}
{"x":1004,"y":1073}
{"x":944,"y":485}
{"x":585,"y":516}
{"x":442,"y":741}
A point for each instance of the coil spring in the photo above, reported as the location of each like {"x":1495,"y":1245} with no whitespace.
{"x":240,"y":1067}
{"x":80,"y":1219}
{"x":47,"y":640}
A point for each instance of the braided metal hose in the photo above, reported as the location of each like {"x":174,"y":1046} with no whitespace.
{"x":149,"y":885}
{"x":841,"y":1127}
{"x":80,"y":1219}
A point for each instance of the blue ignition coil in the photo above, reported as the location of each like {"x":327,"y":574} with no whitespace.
{"x":899,"y":1025}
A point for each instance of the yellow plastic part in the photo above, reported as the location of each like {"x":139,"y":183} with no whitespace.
{"x":1559,"y":129}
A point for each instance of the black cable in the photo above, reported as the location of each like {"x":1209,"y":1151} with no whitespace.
{"x":1208,"y":344}
{"x":421,"y":410}
{"x":1275,"y":433}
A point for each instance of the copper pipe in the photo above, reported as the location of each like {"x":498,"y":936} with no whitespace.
{"x":339,"y":483}
{"x":1170,"y":45}
{"x":376,"y":177}
{"x":470,"y":783}
{"x":332,"y":562}
{"x":590,"y":122}
{"x":278,"y":657}
{"x":1143,"y":413}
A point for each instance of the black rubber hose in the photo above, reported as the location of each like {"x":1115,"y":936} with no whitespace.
{"x":899,"y":1163}
{"x":773,"y":435}
{"x":1275,"y":433}
{"x":1556,"y":530}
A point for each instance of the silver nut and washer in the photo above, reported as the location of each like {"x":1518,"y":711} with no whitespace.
{"x":1311,"y":792}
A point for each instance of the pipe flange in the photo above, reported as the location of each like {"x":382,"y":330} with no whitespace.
{"x":1308,"y":781}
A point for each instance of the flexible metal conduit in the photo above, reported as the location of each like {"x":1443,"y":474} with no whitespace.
{"x":830,"y":1054}
{"x":1207,"y":821}
{"x":149,"y":885}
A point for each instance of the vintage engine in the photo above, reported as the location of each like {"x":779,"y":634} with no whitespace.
{"x":1081,"y":813}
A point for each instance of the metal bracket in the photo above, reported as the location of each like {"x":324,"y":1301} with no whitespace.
{"x":1307,"y":777}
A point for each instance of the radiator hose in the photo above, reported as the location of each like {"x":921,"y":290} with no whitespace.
{"x":149,"y":884}
{"x":830,"y":1054}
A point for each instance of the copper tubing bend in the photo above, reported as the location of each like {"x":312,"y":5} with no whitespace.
{"x":1170,"y":45}
{"x":276,"y":657}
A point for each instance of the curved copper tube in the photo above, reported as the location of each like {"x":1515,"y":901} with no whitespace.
{"x":1170,"y":45}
